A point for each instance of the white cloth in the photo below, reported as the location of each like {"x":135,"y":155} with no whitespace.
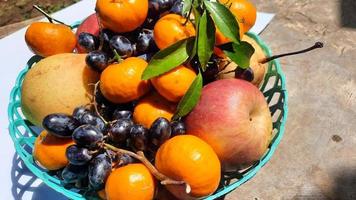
{"x":17,"y":182}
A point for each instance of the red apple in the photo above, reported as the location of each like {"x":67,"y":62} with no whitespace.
{"x":89,"y":25}
{"x":233,"y":117}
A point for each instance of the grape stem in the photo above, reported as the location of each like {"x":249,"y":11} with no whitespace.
{"x":221,"y":71}
{"x":50,"y":19}
{"x":96,"y":104}
{"x":228,"y":72}
{"x":165,"y":180}
{"x":228,"y":62}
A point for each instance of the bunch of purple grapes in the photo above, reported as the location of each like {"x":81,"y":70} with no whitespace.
{"x":90,"y":163}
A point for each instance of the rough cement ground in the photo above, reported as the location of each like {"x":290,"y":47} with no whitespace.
{"x":317,"y":156}
{"x":12,"y":11}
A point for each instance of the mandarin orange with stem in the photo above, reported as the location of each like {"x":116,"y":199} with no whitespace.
{"x":131,"y":182}
{"x":121,"y":83}
{"x":170,"y":29}
{"x":47,"y":39}
{"x":50,"y":151}
{"x":174,"y":84}
{"x":122,"y":15}
{"x":152,"y":107}
{"x":190,"y":159}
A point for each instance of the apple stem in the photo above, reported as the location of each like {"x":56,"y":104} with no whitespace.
{"x":50,"y":19}
{"x":317,"y":45}
{"x":165,"y":180}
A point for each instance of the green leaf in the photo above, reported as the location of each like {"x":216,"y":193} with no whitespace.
{"x":190,"y":99}
{"x":224,"y":20}
{"x":197,"y":15}
{"x":169,"y":58}
{"x":197,"y":3}
{"x":239,"y":53}
{"x":186,"y":7}
{"x":206,"y":39}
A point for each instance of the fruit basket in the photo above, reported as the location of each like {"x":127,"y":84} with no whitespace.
{"x":273,"y":87}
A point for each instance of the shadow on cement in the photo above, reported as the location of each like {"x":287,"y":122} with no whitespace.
{"x":348,"y":13}
{"x":25,"y":184}
{"x":345,"y":184}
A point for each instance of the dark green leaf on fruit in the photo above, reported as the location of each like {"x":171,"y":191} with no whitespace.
{"x":239,"y":53}
{"x":224,"y":20}
{"x":169,"y":58}
{"x":206,"y":39}
{"x":197,"y":17}
{"x":190,"y":99}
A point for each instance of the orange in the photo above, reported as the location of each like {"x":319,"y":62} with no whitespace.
{"x":121,"y":83}
{"x":50,"y":151}
{"x":174,"y":84}
{"x":122,"y":15}
{"x":171,"y":29}
{"x":221,"y":39}
{"x":102,"y":194}
{"x":219,"y":52}
{"x":46,"y":39}
{"x":188,"y":158}
{"x":245,"y":13}
{"x":152,"y":107}
{"x":131,"y":182}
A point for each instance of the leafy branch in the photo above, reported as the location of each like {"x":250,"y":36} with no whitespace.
{"x":208,"y":16}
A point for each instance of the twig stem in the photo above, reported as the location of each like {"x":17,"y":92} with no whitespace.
{"x":190,"y":12}
{"x":50,"y":19}
{"x":315,"y":46}
{"x":141,"y":157}
{"x":96,"y":104}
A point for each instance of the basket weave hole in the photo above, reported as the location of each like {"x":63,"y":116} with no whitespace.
{"x":276,"y":98}
{"x":277,"y":115}
{"x":27,"y":147}
{"x":18,"y":112}
{"x":22,"y":131}
{"x":17,"y":96}
{"x":270,"y":83}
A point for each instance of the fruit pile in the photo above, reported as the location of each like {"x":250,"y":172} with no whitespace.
{"x":149,"y":99}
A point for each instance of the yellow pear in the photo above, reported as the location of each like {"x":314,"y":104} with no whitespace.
{"x":259,"y":69}
{"x":56,"y":84}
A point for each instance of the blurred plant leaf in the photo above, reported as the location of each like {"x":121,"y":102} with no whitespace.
{"x":190,"y":99}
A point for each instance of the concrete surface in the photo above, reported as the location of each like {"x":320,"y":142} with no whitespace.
{"x":8,"y":29}
{"x":317,"y":156}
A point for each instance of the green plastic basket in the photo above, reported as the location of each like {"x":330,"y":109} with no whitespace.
{"x":273,"y":87}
